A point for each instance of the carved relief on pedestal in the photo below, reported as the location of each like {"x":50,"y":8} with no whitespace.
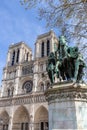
{"x":67,"y":92}
{"x":70,"y":96}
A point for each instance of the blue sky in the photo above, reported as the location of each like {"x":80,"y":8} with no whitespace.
{"x":17,"y":24}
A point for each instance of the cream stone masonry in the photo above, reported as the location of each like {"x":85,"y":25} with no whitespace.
{"x":43,"y":38}
{"x":67,"y":106}
{"x":22,"y":101}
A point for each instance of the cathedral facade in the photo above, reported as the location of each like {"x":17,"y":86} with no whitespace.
{"x":22,"y":102}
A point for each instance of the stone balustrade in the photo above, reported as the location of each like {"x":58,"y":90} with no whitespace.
{"x":22,"y":99}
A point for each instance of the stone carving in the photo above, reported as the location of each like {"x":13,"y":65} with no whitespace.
{"x":27,"y":69}
{"x":28,"y":86}
{"x":28,"y":99}
{"x":66,"y":63}
{"x":69,"y":96}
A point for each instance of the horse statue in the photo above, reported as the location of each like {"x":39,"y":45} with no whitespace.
{"x":75,"y":64}
{"x":66,"y":62}
{"x":51,"y":67}
{"x":61,"y":63}
{"x":72,"y":63}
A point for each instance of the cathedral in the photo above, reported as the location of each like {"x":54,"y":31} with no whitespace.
{"x":22,"y":101}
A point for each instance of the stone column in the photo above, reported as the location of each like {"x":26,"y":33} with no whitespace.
{"x":45,"y":47}
{"x":11,"y":56}
{"x":15,"y":57}
{"x":25,"y":56}
{"x":8,"y":58}
{"x":20,"y":55}
{"x":51,"y":44}
{"x":10,"y":124}
{"x":4,"y":73}
{"x":67,"y":103}
{"x":37,"y":50}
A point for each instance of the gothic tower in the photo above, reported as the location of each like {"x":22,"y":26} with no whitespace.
{"x":22,"y":103}
{"x":17,"y":55}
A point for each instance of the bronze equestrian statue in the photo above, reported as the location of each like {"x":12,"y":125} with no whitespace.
{"x":66,"y":63}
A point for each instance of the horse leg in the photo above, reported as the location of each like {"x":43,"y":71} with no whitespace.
{"x":52,"y":77}
{"x":76,"y":69}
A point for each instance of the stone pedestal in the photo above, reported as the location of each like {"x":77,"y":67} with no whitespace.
{"x":67,"y":104}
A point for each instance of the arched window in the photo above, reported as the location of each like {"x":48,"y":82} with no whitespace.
{"x":13,"y":58}
{"x":27,"y":58}
{"x":41,"y":87}
{"x":42,"y":50}
{"x":48,"y":47}
{"x":12,"y":91}
{"x":48,"y":85}
{"x":8,"y":92}
{"x":17,"y":59}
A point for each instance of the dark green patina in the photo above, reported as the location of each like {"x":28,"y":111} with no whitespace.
{"x":66,"y":63}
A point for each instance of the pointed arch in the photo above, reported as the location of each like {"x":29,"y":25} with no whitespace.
{"x":21,"y":118}
{"x":48,"y":47}
{"x":21,"y":115}
{"x":41,"y":86}
{"x":42,"y":49}
{"x":17,"y":58}
{"x":13,"y":58}
{"x":27,"y":56}
{"x":41,"y":113}
{"x":10,"y":89}
{"x":5,"y":117}
{"x":5,"y":120}
{"x":41,"y":118}
{"x":47,"y":84}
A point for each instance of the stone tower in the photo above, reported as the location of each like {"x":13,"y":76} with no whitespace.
{"x":17,"y":55}
{"x":22,"y":102}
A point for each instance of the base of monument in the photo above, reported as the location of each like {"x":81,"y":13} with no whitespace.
{"x":67,"y":104}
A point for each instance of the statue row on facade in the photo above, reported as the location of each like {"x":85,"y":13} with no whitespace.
{"x":65,"y":63}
